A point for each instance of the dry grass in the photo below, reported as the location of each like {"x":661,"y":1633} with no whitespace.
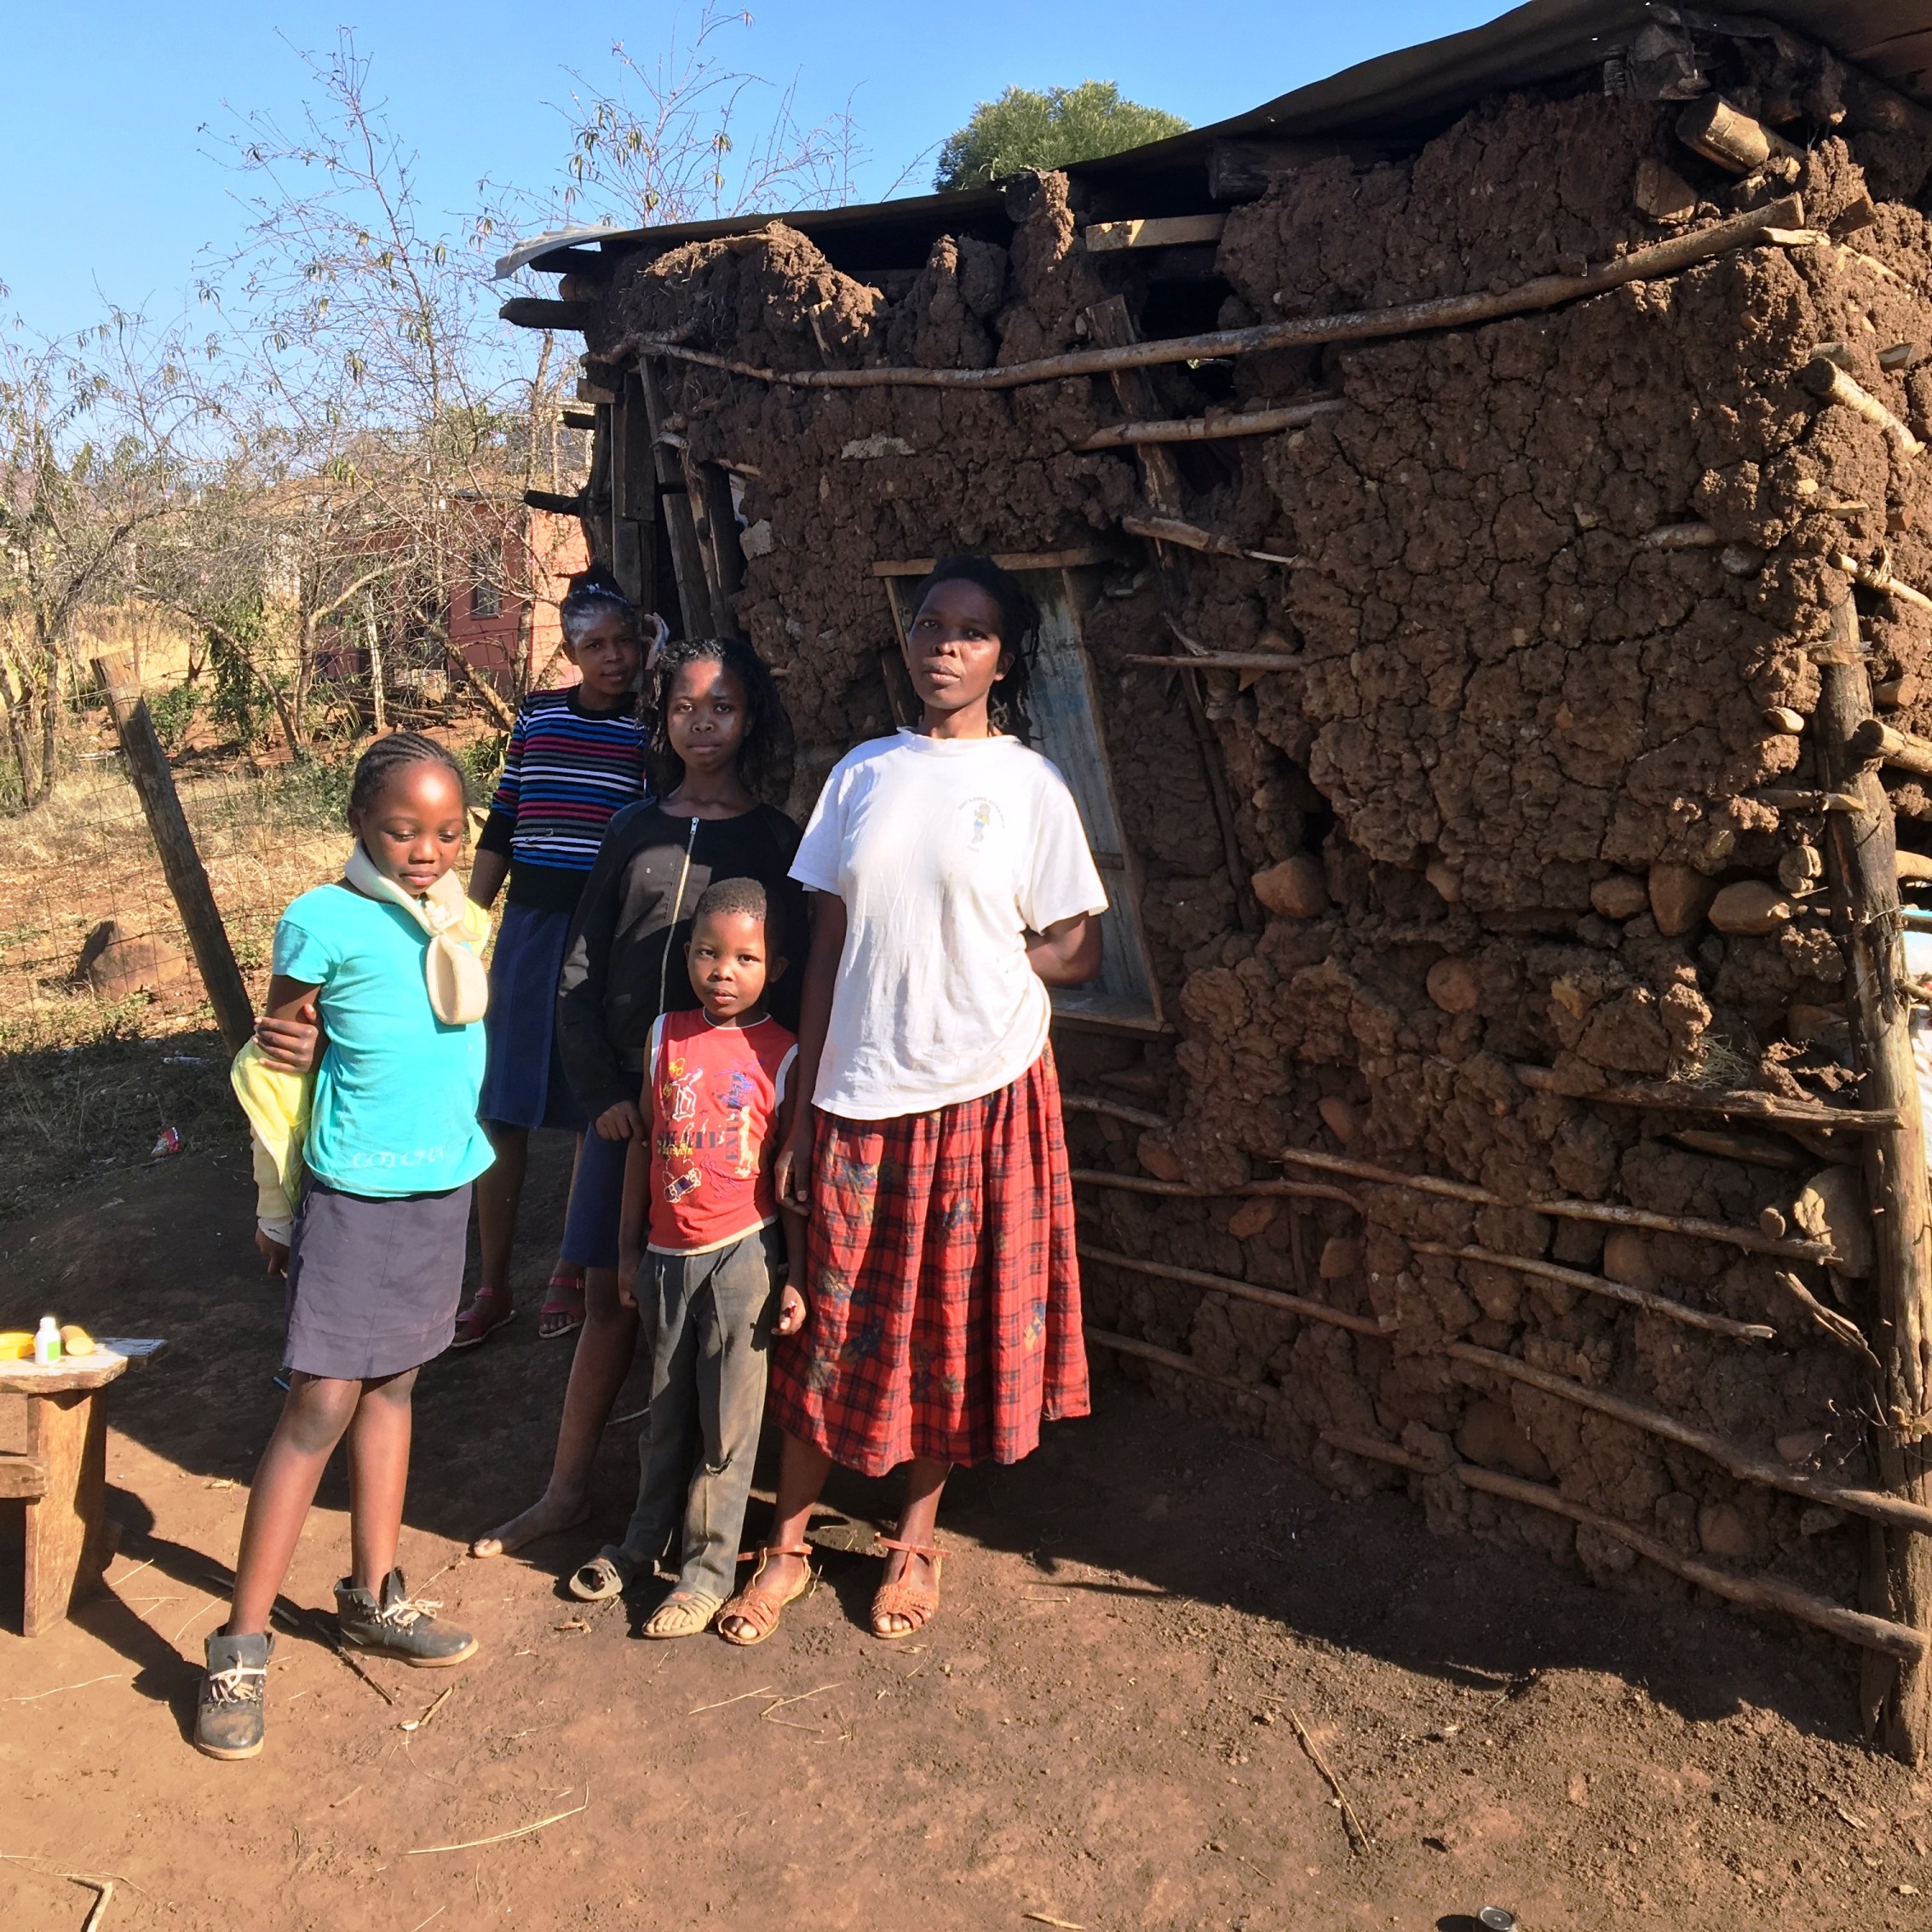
{"x":86,"y":1084}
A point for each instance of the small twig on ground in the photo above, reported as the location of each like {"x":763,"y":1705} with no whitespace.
{"x":764,"y":1690}
{"x":498,"y":1838}
{"x":105,"y":1886}
{"x":213,"y":1603}
{"x":115,"y":1582}
{"x":1351,"y":1819}
{"x":60,"y":1690}
{"x":801,"y":1698}
{"x":335,"y":1803}
{"x":791,"y":1725}
{"x":119,"y":1879}
{"x":1047,"y":1918}
{"x":421,"y":1923}
{"x":341,"y":1652}
{"x":436,"y":1704}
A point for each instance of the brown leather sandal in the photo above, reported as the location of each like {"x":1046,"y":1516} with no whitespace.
{"x":918,"y":1603}
{"x":762,"y":1608}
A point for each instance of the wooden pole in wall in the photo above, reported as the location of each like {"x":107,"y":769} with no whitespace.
{"x":1861,"y":851}
{"x":1110,"y":325}
{"x":188,"y":878}
{"x":688,"y":561}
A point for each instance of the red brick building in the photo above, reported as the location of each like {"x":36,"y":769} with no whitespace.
{"x":504,"y":593}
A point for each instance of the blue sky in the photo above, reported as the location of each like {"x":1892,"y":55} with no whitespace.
{"x":111,"y":192}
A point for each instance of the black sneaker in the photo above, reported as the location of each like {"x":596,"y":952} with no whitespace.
{"x":229,"y":1714}
{"x":399,"y":1625}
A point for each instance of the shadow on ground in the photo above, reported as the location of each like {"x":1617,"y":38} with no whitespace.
{"x":1175,"y":1505}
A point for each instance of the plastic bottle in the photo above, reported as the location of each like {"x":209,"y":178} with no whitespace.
{"x":46,"y":1341}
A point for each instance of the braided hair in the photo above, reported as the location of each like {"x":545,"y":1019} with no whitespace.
{"x":764,"y":755}
{"x":1019,"y":631}
{"x":388,"y":756}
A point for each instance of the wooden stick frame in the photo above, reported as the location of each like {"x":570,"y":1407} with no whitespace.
{"x":1674,"y":1096}
{"x":1669,"y":257}
{"x":1861,"y":865}
{"x":1755,"y":1593}
{"x":1601,"y":1284}
{"x":1897,"y":1640}
{"x":1114,"y":1109}
{"x":1242,"y":1291}
{"x":1898,"y":1512}
{"x":1609,"y":1211}
{"x":1180,"y":1190}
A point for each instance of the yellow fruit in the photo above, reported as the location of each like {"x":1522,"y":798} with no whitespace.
{"x":17,"y":1345}
{"x":75,"y":1340}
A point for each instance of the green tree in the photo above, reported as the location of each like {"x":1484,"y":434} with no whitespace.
{"x":1026,"y":129}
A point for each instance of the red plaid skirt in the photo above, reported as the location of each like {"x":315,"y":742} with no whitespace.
{"x":944,"y":1290}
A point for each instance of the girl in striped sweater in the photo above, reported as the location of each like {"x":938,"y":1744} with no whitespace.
{"x":576,"y":759}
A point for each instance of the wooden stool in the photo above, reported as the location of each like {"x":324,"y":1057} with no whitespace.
{"x":63,"y":1479}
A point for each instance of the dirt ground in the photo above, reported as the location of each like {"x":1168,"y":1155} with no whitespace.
{"x":1098,"y":1732}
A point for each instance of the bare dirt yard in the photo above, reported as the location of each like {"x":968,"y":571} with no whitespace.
{"x":1099,"y":1731}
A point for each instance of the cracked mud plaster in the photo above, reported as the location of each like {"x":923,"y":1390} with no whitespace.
{"x":1496,"y":697}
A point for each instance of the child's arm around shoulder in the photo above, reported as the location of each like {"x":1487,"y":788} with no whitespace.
{"x":289,"y":1031}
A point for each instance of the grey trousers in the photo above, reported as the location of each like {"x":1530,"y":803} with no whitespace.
{"x":712,"y":1315}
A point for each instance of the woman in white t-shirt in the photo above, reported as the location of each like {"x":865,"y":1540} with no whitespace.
{"x":956,"y":887}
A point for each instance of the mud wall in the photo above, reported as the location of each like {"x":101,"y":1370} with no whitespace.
{"x":1507,"y":756}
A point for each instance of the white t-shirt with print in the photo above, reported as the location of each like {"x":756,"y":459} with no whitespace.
{"x":946,"y":852}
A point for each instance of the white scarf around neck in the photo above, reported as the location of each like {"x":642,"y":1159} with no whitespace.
{"x":457,"y":985}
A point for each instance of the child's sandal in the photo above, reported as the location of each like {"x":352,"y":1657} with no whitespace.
{"x":562,"y":1313}
{"x":683,"y":1616}
{"x":760,"y":1609}
{"x":918,"y":1603}
{"x":609,"y":1574}
{"x":488,"y":1310}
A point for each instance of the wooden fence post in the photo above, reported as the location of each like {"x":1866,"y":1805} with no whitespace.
{"x":1862,"y":850}
{"x":188,"y":878}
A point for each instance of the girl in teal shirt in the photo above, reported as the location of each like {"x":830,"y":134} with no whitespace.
{"x":386,"y":959}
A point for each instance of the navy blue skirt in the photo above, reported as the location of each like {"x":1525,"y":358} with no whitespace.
{"x":593,"y":1221}
{"x":373,"y":1285}
{"x":523,"y":1082}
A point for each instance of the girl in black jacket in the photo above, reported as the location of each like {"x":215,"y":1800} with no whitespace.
{"x":716,"y":730}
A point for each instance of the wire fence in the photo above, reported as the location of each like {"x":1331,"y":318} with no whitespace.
{"x":96,"y":1068}
{"x":83,"y":861}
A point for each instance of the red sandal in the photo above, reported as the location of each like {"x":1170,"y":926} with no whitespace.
{"x":489,"y":1309}
{"x":559,"y":1316}
{"x":918,"y":1603}
{"x":762,"y":1608}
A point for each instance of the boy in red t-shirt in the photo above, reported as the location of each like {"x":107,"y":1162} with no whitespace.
{"x":700,"y":1250}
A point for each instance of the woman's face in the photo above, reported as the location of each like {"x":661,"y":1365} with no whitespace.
{"x":413,"y":828}
{"x":704,"y":716}
{"x":953,"y":648}
{"x":606,"y":652}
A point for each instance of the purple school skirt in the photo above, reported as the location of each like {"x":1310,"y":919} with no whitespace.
{"x":373,"y":1284}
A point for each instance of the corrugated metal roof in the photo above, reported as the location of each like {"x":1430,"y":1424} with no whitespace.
{"x":1410,"y":91}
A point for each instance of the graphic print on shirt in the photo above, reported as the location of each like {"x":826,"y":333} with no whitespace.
{"x":739,"y":1091}
{"x":677,"y":1100}
{"x":980,"y":816}
{"x":716,"y":1093}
